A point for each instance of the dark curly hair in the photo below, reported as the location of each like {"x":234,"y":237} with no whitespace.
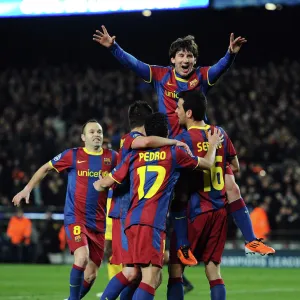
{"x":186,"y":43}
{"x":137,"y":113}
{"x":156,"y":124}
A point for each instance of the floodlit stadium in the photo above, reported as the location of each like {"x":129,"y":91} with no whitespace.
{"x":70,"y":75}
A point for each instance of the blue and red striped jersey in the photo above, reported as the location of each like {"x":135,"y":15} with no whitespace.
{"x":121,"y":193}
{"x":83,"y":203}
{"x":168,"y":84}
{"x":153,"y":174}
{"x":207,"y":187}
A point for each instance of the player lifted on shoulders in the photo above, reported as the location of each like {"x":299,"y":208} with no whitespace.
{"x":85,"y":208}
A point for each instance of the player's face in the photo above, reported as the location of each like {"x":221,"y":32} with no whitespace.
{"x":180,"y":112}
{"x":184,"y":62}
{"x":93,"y":135}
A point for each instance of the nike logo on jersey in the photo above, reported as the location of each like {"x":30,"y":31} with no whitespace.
{"x":81,"y":161}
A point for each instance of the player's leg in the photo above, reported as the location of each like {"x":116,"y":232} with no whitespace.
{"x":90,"y":275}
{"x":123,"y":279}
{"x":151,"y":279}
{"x":240,"y":214}
{"x":112,"y":269}
{"x":135,"y":279}
{"x":96,"y":253}
{"x":78,"y":244}
{"x":217,"y":287}
{"x":175,"y":282}
{"x":178,"y":214}
{"x":175,"y":269}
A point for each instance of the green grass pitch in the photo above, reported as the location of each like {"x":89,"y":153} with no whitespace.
{"x":48,"y":282}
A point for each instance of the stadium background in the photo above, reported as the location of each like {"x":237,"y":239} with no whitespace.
{"x":54,"y":77}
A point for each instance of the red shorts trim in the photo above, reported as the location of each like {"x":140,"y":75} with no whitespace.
{"x":78,"y":235}
{"x":207,"y":236}
{"x":145,"y":245}
{"x":119,"y":242}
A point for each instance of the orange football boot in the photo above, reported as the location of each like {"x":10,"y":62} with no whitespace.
{"x":186,"y":256}
{"x":258,"y":247}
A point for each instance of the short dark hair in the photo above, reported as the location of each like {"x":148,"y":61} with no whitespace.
{"x":186,"y":43}
{"x":196,"y":102}
{"x":87,"y":122}
{"x":138,"y":112}
{"x":157,"y":124}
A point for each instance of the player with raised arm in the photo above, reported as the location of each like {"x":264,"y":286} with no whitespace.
{"x":153,"y":174}
{"x":207,"y":209}
{"x":135,"y":139}
{"x":182,"y":75}
{"x":85,"y":208}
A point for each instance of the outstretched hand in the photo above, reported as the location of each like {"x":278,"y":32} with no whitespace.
{"x":236,"y":44}
{"x":103,"y":37}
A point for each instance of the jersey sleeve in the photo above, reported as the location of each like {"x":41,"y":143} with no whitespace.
{"x":119,"y":173}
{"x":184,"y":160}
{"x":62,"y":161}
{"x":157,"y":73}
{"x":231,"y":152}
{"x":130,"y":138}
{"x":115,"y":156}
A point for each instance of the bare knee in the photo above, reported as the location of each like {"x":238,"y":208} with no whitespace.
{"x":232,"y":189}
{"x":131,"y":273}
{"x":152,"y":276}
{"x":91,"y":272}
{"x":212,"y":271}
{"x":81,"y":257}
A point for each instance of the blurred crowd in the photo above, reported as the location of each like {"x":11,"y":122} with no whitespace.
{"x":42,"y":111}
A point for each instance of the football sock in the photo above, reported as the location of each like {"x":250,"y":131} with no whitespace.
{"x":76,"y":278}
{"x":180,"y":224}
{"x":144,"y":292}
{"x":240,"y":214}
{"x":175,"y":289}
{"x":115,"y":287}
{"x":217,"y":289}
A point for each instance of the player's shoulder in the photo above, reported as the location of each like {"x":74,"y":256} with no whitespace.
{"x":161,"y":68}
{"x":182,"y":135}
{"x":108,"y":152}
{"x":135,"y":134}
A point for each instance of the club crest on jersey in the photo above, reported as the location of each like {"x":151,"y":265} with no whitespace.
{"x":193,"y":83}
{"x":77,"y":238}
{"x":107,"y":161}
{"x":57,"y":157}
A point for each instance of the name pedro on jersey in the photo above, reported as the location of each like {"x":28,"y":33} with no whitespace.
{"x":149,"y":156}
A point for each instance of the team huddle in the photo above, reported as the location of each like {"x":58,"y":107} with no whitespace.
{"x":171,"y":162}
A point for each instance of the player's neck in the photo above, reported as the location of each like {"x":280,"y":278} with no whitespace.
{"x":191,"y":123}
{"x":140,"y":129}
{"x":92,"y":149}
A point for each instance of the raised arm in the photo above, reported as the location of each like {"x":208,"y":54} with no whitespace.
{"x":38,"y":176}
{"x":216,"y":71}
{"x":141,"y":69}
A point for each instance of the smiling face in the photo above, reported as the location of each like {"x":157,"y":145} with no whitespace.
{"x":92,"y":136}
{"x":183,"y":62}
